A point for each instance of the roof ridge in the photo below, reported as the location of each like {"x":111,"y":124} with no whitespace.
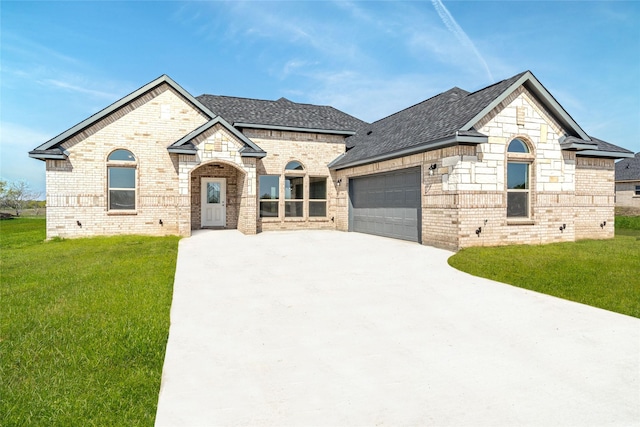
{"x":515,"y":77}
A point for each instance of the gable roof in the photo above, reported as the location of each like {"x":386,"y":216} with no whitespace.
{"x":52,"y":149}
{"x":628,"y":169}
{"x":448,"y":119}
{"x":282,"y":114}
{"x":185,"y":145}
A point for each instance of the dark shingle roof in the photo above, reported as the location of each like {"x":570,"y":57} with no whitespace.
{"x":431,"y":120}
{"x":628,"y":169}
{"x":282,"y":113}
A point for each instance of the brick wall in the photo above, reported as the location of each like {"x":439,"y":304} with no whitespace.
{"x":314,"y":151}
{"x":77,"y":187}
{"x":464,"y":200}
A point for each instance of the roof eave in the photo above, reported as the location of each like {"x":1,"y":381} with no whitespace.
{"x":427,"y":146}
{"x":293,"y":129}
{"x":217,"y":120}
{"x":604,"y":154}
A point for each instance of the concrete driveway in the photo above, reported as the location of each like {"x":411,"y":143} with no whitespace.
{"x":327,"y":328}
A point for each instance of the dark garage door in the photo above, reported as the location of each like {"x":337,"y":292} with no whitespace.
{"x":386,"y":204}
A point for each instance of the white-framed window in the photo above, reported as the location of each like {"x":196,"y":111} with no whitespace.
{"x":637,"y":190}
{"x":519,"y":166}
{"x":121,"y":180}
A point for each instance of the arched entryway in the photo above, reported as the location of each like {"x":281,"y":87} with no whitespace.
{"x":217,"y":190}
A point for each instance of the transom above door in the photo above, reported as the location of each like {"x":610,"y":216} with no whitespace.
{"x":213,"y":197}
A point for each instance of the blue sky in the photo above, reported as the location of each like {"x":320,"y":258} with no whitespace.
{"x":63,"y":61}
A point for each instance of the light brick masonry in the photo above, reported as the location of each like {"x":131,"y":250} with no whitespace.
{"x":463,"y":200}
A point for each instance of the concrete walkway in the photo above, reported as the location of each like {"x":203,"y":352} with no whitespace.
{"x":321,"y":328}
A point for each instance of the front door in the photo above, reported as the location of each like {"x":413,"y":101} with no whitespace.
{"x":214,"y":211}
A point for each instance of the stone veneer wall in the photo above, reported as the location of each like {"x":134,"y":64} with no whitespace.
{"x":77,"y":187}
{"x":218,"y":155}
{"x":467,"y":190}
{"x":314,"y":151}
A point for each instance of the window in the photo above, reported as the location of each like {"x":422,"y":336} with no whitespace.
{"x":269,"y":195}
{"x":301,"y":196}
{"x":637,"y":190}
{"x":294,"y":196}
{"x":121,"y":180}
{"x":519,"y":161}
{"x":317,"y":196}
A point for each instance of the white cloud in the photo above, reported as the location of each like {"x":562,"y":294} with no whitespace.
{"x":459,"y":33}
{"x":80,"y":89}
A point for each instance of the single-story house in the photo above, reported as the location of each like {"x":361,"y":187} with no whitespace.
{"x":502,"y":165}
{"x":628,"y":183}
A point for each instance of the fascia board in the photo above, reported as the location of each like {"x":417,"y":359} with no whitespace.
{"x":428,"y":146}
{"x":493,"y":104}
{"x":217,"y":120}
{"x":119,"y":104}
{"x":542,"y":93}
{"x":608,"y":154}
{"x":46,"y":156}
{"x":293,"y":129}
{"x":575,"y":146}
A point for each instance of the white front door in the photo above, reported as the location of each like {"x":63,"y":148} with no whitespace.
{"x":214,"y":211}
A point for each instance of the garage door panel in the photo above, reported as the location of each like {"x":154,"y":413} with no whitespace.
{"x":387,"y":204}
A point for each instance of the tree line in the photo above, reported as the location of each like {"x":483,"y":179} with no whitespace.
{"x":18,"y":196}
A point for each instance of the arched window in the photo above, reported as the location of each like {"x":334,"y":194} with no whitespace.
{"x":303,"y":195}
{"x":121,"y":180}
{"x":294,"y":175}
{"x":519,"y":161}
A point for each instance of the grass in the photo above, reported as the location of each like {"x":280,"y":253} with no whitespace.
{"x":83,"y":326}
{"x":600,"y":273}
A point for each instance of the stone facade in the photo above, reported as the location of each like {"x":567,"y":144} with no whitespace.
{"x":464,"y":200}
{"x":463,"y":187}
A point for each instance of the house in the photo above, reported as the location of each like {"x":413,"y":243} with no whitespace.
{"x":628,"y":184}
{"x":502,"y":165}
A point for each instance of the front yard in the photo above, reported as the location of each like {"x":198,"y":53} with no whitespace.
{"x":84,"y":323}
{"x":600,"y":273}
{"x":83,"y":326}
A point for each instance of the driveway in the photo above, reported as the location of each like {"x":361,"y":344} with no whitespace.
{"x":328,"y":328}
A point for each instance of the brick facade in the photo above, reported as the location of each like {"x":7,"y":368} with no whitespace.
{"x":464,"y":201}
{"x":463,"y":187}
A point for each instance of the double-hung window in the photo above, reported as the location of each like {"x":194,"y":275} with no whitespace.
{"x":269,"y":195}
{"x":121,"y":180}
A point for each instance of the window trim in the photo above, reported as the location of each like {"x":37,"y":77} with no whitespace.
{"x":270,"y":200}
{"x":305,"y":200}
{"x":325,"y":200}
{"x":528,"y":159}
{"x":122,"y":164}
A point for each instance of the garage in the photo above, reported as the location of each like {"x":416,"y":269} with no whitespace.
{"x":386,"y":204}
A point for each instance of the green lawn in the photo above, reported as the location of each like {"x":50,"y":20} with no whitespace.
{"x":601,"y":273}
{"x":83,"y":326}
